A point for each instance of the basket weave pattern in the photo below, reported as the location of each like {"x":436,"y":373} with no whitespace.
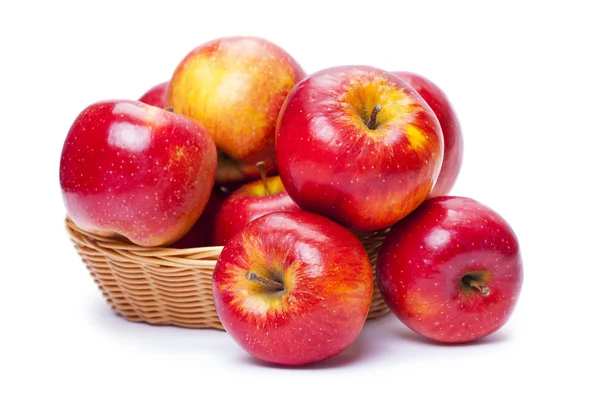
{"x":164,"y":286}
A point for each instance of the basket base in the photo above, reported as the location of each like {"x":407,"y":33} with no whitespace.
{"x":164,"y":286}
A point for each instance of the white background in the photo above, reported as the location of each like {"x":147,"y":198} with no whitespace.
{"x":523,"y":78}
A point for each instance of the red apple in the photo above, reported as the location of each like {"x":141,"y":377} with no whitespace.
{"x":293,"y":288}
{"x":453,"y":141}
{"x":156,"y":95}
{"x":249,"y":202}
{"x":451,"y":270}
{"x":201,"y":234}
{"x":358,"y":145}
{"x":138,"y":171}
{"x":235,"y":87}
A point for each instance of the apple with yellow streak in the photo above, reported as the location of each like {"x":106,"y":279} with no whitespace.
{"x":235,"y":87}
{"x":293,"y":288}
{"x":249,"y":202}
{"x":359,"y":145}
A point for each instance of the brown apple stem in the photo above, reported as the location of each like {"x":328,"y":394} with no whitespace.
{"x":260,"y":166}
{"x":484,"y":289}
{"x":254,"y":277}
{"x":169,"y":109}
{"x":373,"y":120}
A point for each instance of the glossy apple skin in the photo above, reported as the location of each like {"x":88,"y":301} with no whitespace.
{"x":424,"y":257}
{"x":247,"y":204}
{"x":137,"y":171}
{"x":156,"y":95}
{"x":201,"y":233}
{"x":327,"y":278}
{"x":235,"y":87}
{"x":332,"y":164}
{"x":453,"y":140}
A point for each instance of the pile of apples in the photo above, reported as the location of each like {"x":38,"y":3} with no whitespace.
{"x":358,"y":150}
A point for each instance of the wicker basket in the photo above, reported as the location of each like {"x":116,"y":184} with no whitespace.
{"x":165,"y":286}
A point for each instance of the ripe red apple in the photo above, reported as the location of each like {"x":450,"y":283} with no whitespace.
{"x":235,"y":87}
{"x":156,"y":95}
{"x":358,"y":145}
{"x":453,"y":141}
{"x":451,"y":270}
{"x":138,"y":171}
{"x":201,"y":234}
{"x":293,"y":288}
{"x":249,"y":202}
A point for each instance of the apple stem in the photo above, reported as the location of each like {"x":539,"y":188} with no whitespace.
{"x":484,"y":289}
{"x":260,"y":166}
{"x":254,"y":277}
{"x":373,"y":120}
{"x":169,"y":109}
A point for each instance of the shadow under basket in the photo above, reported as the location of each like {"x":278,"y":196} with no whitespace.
{"x":165,"y":286}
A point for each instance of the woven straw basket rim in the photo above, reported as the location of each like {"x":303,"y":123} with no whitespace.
{"x":168,"y":286}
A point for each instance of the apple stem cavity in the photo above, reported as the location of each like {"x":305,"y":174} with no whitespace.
{"x":254,"y":277}
{"x":260,"y":166}
{"x":169,"y":109}
{"x":474,"y":283}
{"x":373,"y":120}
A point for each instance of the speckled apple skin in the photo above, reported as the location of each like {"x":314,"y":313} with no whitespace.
{"x":453,"y":140}
{"x":328,"y":288}
{"x":137,"y":171}
{"x":235,"y":86}
{"x":247,"y":204}
{"x":332,"y":164}
{"x":156,"y":95}
{"x":425,"y":256}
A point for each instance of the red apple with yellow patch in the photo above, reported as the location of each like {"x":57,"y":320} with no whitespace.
{"x":293,"y":288}
{"x":359,"y":145}
{"x":235,"y":87}
{"x":249,"y":202}
{"x":134,"y":170}
{"x":453,"y":141}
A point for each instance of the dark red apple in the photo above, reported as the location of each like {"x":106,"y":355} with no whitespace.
{"x":156,"y":95}
{"x":358,"y":145}
{"x":138,"y":171}
{"x":249,"y":202}
{"x":453,"y":141}
{"x":201,"y":234}
{"x":451,"y":270}
{"x":293,"y":288}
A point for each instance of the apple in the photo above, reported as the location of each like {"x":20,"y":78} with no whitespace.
{"x":133,"y":170}
{"x":201,"y":233}
{"x":156,"y":95}
{"x":358,"y":145}
{"x":293,"y":288}
{"x":451,"y":271}
{"x":249,"y":202}
{"x":453,"y":141}
{"x":235,"y":87}
{"x":232,"y":174}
